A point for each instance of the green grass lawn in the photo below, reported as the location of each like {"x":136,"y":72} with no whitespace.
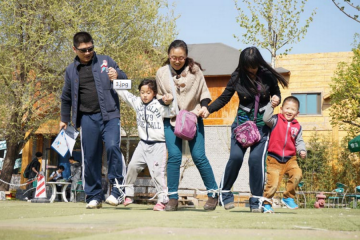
{"x":22,"y":220}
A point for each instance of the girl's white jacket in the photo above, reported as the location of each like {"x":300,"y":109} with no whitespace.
{"x":149,"y":117}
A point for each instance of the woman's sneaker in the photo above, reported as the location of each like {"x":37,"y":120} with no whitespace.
{"x":211,"y":204}
{"x":289,"y":203}
{"x":113,"y":201}
{"x":268,"y":208}
{"x":172,"y":205}
{"x":128,"y":201}
{"x":94,"y":204}
{"x":159,"y":207}
{"x":229,"y":206}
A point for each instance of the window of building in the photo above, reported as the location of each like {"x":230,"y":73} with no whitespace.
{"x":310,"y":103}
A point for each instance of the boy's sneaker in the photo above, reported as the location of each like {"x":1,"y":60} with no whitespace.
{"x":229,"y":206}
{"x":128,"y":201}
{"x":94,"y":204}
{"x":159,"y":207}
{"x":113,"y":201}
{"x":268,"y":208}
{"x":289,"y":203}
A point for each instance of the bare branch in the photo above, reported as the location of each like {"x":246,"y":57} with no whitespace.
{"x":352,"y":123}
{"x":342,"y":10}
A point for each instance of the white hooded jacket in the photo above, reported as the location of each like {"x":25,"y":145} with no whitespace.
{"x":149,"y":117}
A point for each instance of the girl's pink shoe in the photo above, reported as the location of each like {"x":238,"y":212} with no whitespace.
{"x":159,"y":207}
{"x":128,"y":201}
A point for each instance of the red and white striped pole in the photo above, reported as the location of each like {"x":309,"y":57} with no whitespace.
{"x":40,"y":194}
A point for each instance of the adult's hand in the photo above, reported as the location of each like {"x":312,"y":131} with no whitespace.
{"x":112,"y":74}
{"x":62,"y":125}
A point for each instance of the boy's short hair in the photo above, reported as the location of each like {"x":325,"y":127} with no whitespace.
{"x":292,"y":99}
{"x":82,"y":37}
{"x":61,"y":167}
{"x":71,"y":158}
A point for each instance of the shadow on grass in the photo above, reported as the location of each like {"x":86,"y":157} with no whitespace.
{"x":244,"y":211}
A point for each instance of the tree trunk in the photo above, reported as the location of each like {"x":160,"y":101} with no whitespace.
{"x":273,"y":58}
{"x":12,"y":152}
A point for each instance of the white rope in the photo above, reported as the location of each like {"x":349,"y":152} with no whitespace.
{"x":119,"y":187}
{"x":213,"y":191}
{"x":262,"y":199}
{"x":158,"y":194}
{"x":172,"y":193}
{"x":19,"y":185}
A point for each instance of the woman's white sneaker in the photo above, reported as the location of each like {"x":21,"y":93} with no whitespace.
{"x":113,"y":201}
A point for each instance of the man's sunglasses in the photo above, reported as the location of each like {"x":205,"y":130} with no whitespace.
{"x":84,"y":50}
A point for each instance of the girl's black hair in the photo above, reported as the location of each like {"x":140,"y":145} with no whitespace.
{"x":189,"y":61}
{"x":150,"y":82}
{"x":250,"y":57}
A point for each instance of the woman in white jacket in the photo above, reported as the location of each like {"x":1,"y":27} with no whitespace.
{"x":151,"y":150}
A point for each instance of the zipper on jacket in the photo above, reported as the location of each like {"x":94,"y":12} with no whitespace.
{"x":146,"y":124}
{"x":287,"y":130}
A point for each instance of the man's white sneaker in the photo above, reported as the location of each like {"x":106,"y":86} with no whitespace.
{"x":113,"y":201}
{"x":94,"y":204}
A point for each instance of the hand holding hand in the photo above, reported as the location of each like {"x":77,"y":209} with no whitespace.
{"x":203,"y":112}
{"x":167,"y":98}
{"x":112,"y":73}
{"x":302,"y":154}
{"x":275,"y":100}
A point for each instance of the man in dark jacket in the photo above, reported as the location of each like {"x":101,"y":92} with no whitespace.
{"x":95,"y":108}
{"x":34,"y":171}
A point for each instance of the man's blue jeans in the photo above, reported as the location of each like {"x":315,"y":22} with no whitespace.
{"x":94,"y":131}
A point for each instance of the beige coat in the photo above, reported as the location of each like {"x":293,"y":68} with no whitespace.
{"x":190,"y":88}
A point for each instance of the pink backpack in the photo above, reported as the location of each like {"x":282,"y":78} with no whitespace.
{"x":185,"y":125}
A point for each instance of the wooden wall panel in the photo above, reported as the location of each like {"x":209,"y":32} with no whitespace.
{"x":226,"y":115}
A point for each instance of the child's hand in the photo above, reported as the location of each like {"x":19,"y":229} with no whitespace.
{"x":302,"y":154}
{"x":275,"y":100}
{"x":112,"y":73}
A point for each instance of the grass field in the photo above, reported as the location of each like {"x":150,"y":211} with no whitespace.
{"x":22,"y":220}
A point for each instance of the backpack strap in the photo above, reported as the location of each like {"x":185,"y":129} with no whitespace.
{"x":175,"y":104}
{"x":257,"y":100}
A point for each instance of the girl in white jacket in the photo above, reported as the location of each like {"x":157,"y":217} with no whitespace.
{"x":151,"y":150}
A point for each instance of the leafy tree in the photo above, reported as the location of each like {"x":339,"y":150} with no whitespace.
{"x":35,"y":48}
{"x":347,"y":12}
{"x":316,"y":167}
{"x":345,"y":98}
{"x":328,"y":163}
{"x":272,"y":25}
